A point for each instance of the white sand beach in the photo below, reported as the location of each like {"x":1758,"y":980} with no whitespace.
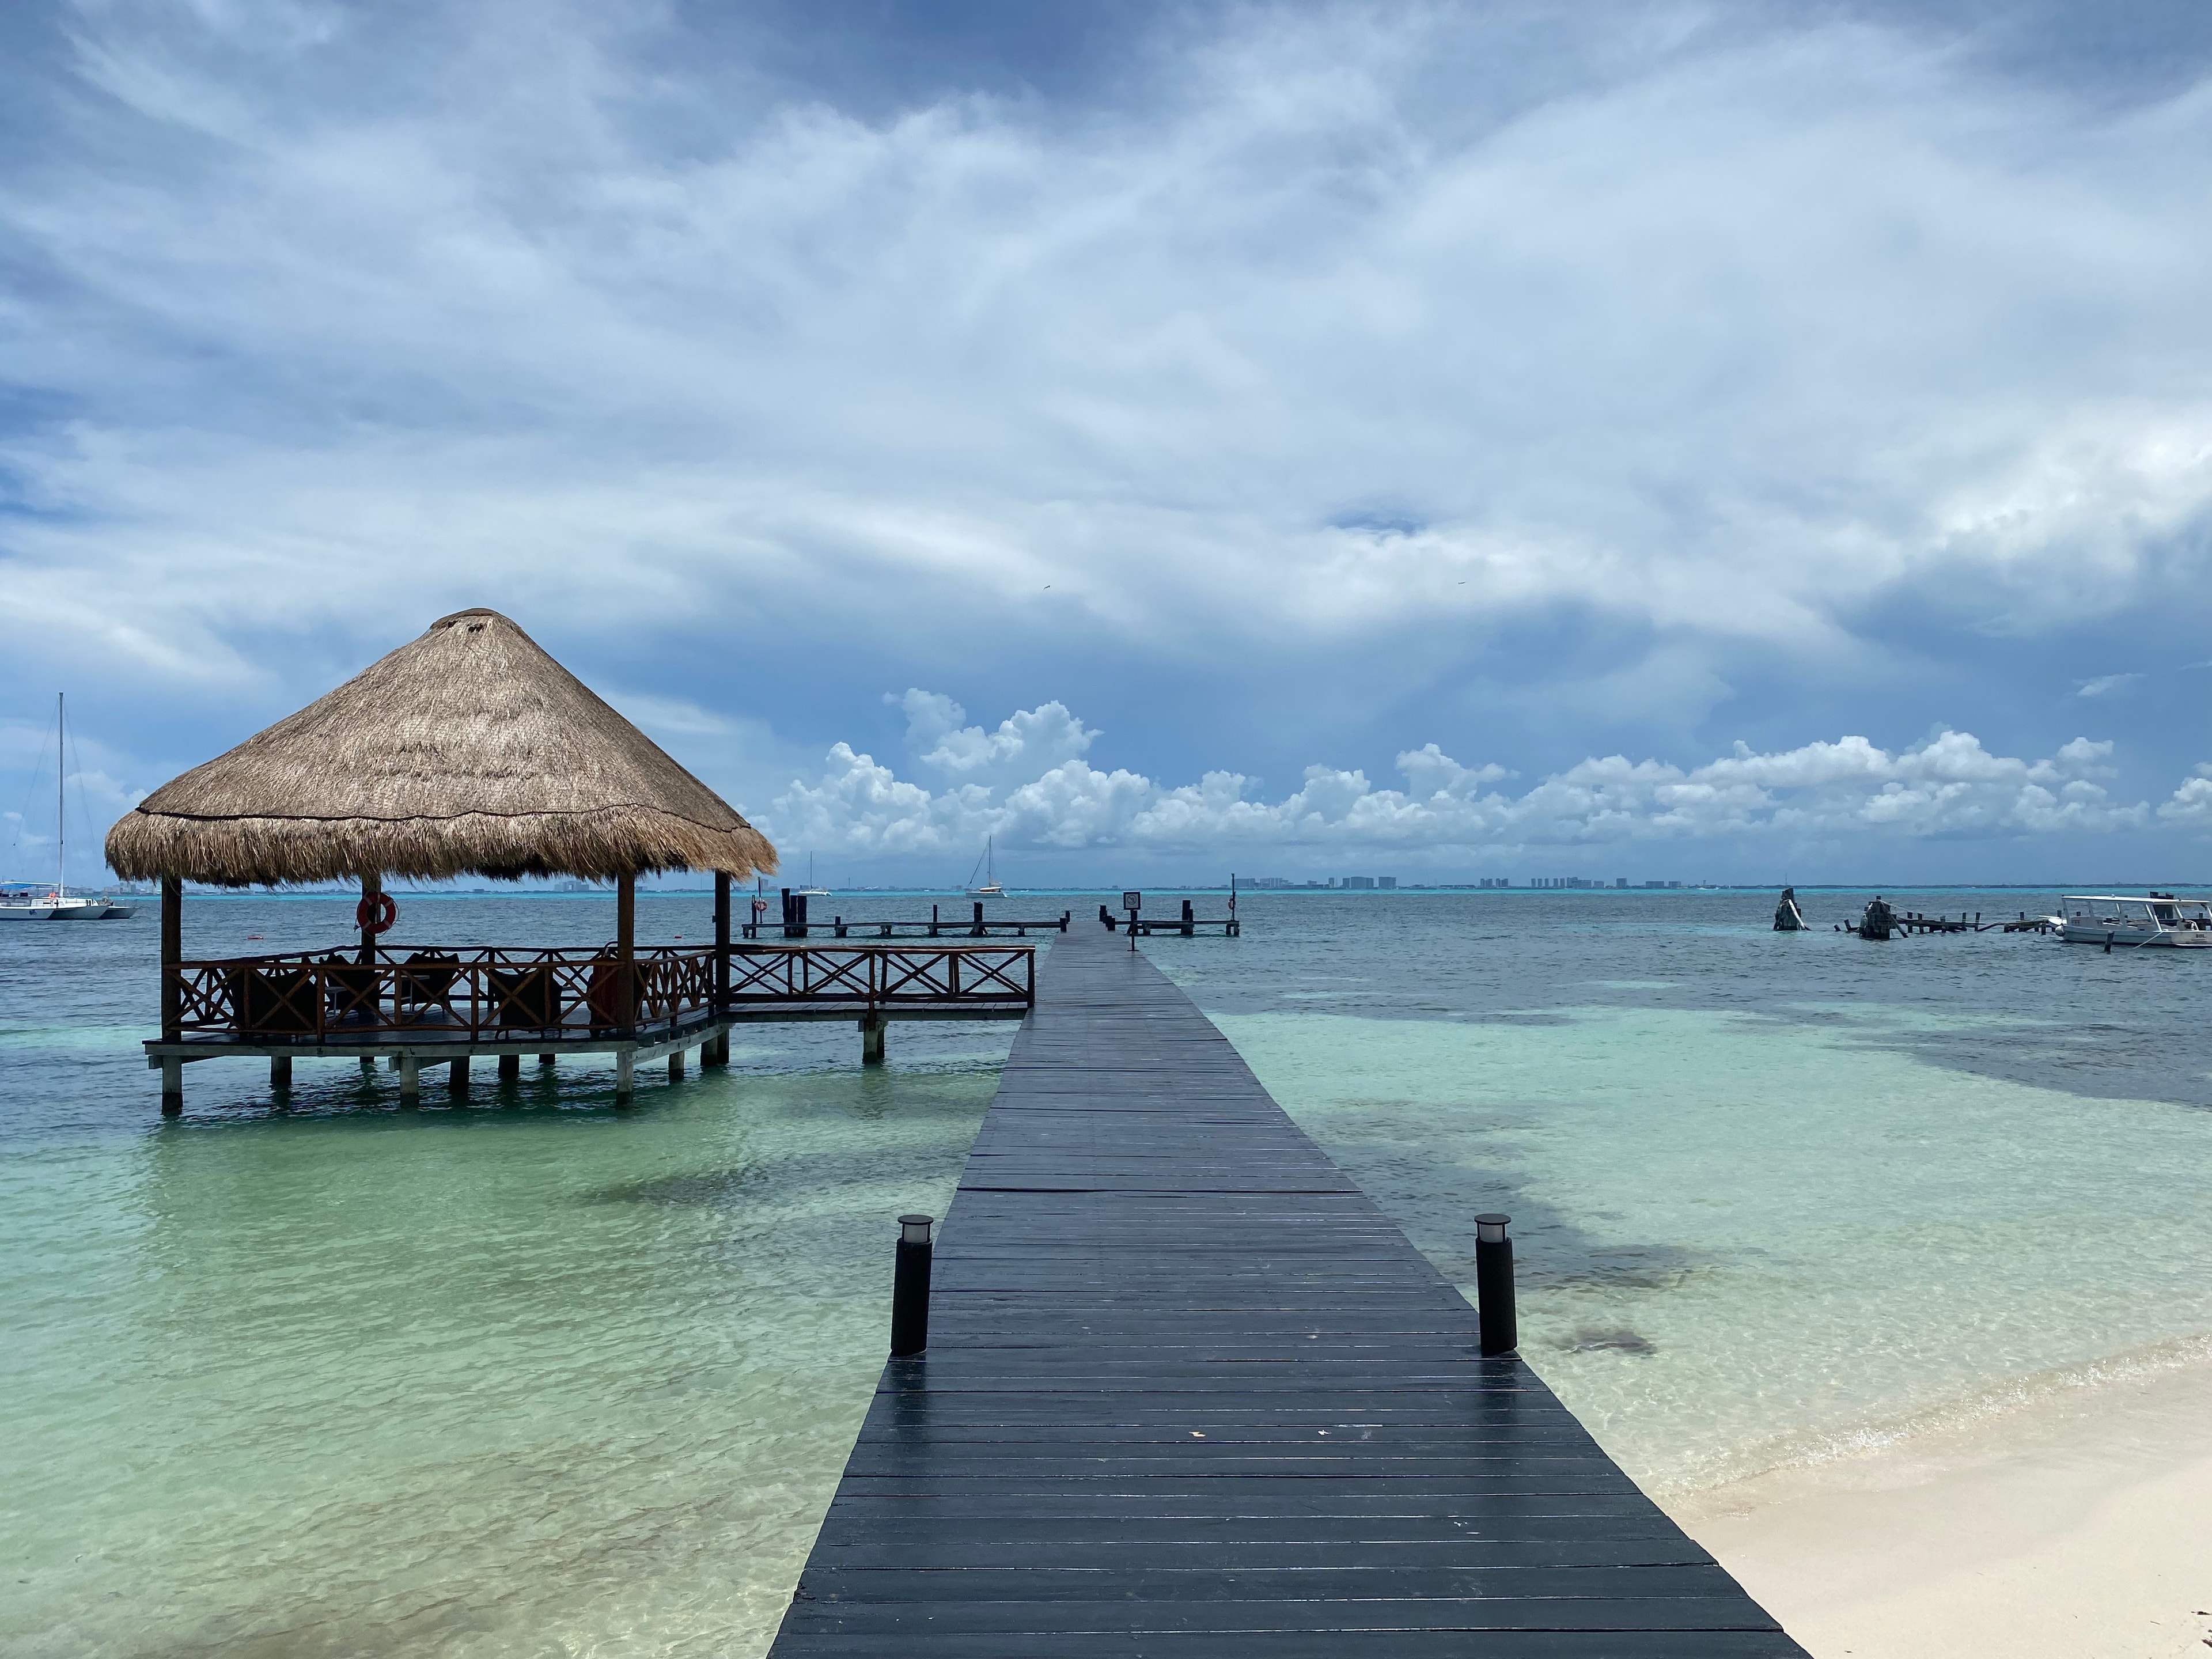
{"x":2076,"y":1526}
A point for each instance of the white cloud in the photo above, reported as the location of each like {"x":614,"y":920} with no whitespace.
{"x":1026,"y":744}
{"x":2191,"y":807}
{"x":1948,"y":786}
{"x":1719,"y":331}
{"x":2106,"y":684}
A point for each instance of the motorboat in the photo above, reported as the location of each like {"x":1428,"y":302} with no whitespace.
{"x":2135,"y":919}
{"x":21,"y":904}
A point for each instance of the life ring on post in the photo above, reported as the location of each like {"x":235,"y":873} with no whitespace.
{"x":375,"y":915}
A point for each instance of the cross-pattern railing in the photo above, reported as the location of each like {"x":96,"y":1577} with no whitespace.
{"x":501,"y":993}
{"x":884,"y":975}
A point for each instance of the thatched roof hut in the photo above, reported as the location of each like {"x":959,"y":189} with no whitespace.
{"x":468,"y":751}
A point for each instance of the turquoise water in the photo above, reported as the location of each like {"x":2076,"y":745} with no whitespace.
{"x":1795,"y":1195}
{"x":526,"y":1375}
{"x":519,"y":1374}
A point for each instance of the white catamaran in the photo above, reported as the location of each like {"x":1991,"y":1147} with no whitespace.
{"x":2157,"y":919}
{"x":26,"y":904}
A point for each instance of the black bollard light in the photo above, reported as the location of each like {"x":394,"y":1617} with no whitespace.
{"x":1493,"y":1284}
{"x":910,"y":1287}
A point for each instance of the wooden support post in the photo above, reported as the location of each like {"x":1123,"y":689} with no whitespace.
{"x":722,"y":1047}
{"x":675,"y":1065}
{"x":368,"y":1062}
{"x":873,"y":1025}
{"x":625,"y":1076}
{"x":545,"y":1060}
{"x":721,"y":939}
{"x":280,"y":1073}
{"x":371,"y":889}
{"x":457,"y":1075}
{"x":626,"y":953}
{"x":410,"y":1079}
{"x":978,"y":931}
{"x":172,"y":1087}
{"x":510,"y":1067}
{"x":172,"y":952}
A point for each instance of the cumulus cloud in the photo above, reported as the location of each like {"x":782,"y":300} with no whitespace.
{"x":1950,"y":786}
{"x":2191,"y":807}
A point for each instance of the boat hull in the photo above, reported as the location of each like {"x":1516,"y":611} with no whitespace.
{"x":27,"y":912}
{"x":2177,"y":939}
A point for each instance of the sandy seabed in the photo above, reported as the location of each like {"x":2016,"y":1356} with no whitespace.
{"x":2074,"y":1526}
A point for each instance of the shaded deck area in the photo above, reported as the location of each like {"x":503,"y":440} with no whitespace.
{"x":430,"y":1006}
{"x":1188,"y":1392}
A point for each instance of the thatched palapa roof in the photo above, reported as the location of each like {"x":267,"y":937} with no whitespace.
{"x":468,"y":751}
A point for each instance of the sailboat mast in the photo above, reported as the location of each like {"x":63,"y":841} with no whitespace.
{"x":61,"y":773}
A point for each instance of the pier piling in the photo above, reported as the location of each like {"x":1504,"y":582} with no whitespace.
{"x":910,"y":1287}
{"x":510,"y":1067}
{"x":1493,"y":1284}
{"x":280,"y":1074}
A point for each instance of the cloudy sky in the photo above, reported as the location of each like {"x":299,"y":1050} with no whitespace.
{"x":1742,"y":441}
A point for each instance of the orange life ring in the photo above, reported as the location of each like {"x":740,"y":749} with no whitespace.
{"x":760,"y":906}
{"x":375,"y":915}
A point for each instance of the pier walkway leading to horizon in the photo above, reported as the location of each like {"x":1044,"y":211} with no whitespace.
{"x":1188,"y":1392}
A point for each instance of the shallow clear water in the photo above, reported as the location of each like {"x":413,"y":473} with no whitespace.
{"x":527,"y":1376}
{"x":1775,"y":1195}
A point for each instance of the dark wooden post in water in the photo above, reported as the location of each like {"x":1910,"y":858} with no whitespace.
{"x":173,"y":993}
{"x":716,"y":1049}
{"x":873,"y":1025}
{"x":979,"y":919}
{"x":625,"y":976}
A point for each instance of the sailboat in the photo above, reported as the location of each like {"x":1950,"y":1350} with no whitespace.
{"x":21,"y":904}
{"x":811,"y":891}
{"x":988,"y":864}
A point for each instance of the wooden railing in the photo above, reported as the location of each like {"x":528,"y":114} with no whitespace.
{"x":499,"y":993}
{"x":884,"y":975}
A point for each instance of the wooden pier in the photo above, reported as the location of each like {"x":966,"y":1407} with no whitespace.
{"x":1187,"y":1392}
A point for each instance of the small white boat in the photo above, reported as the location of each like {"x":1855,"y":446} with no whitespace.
{"x":809,"y":891}
{"x":2158,"y":919}
{"x":21,"y":904}
{"x":988,"y":864}
{"x":24,"y":904}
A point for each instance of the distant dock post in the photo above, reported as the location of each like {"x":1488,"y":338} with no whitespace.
{"x":910,"y":1287}
{"x":1493,"y":1284}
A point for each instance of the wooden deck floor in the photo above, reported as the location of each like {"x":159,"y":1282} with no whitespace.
{"x":1189,"y":1393}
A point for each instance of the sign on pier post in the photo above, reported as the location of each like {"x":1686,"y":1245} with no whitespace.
{"x":1133,"y":902}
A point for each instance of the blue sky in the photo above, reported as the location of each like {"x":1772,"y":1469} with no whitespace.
{"x":1664,"y":441}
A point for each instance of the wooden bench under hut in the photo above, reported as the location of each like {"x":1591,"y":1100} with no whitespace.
{"x":470,"y":751}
